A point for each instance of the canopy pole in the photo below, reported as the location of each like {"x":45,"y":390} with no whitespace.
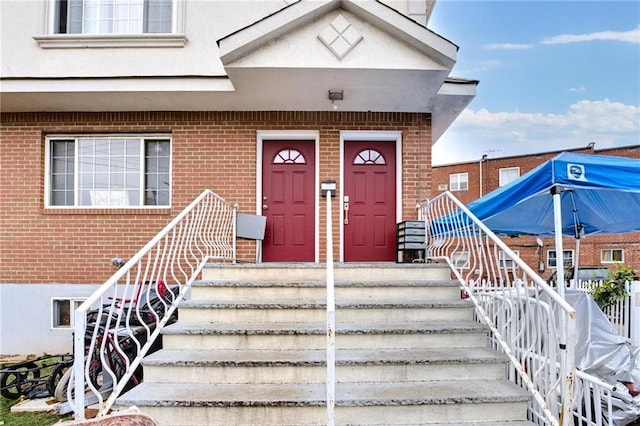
{"x":556,"y":190}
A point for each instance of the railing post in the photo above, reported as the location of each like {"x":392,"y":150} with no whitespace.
{"x":568,"y":368}
{"x":80,"y":327}
{"x":331,"y":321}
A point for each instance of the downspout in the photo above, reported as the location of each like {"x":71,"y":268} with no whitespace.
{"x":484,"y":157}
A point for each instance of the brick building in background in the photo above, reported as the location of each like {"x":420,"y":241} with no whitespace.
{"x":469,"y":181}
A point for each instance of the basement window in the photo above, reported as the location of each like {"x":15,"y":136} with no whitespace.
{"x":108,"y":172}
{"x":62,"y":312}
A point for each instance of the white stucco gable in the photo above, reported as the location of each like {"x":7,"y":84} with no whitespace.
{"x":382,"y":61}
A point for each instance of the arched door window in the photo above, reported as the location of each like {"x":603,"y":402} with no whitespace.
{"x":369,"y":156}
{"x":289,"y":156}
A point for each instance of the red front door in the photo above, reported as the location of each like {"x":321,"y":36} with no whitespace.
{"x":370,"y":184}
{"x":288,"y":186}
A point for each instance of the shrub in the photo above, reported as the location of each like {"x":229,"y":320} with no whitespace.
{"x":609,"y":292}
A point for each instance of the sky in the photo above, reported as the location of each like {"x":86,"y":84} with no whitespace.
{"x":553,"y":75}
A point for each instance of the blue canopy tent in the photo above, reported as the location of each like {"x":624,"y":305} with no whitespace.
{"x":571,"y":194}
{"x":600,"y":194}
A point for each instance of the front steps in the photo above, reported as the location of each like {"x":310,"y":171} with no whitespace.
{"x":249,"y":348}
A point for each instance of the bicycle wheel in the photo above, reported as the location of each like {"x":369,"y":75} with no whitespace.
{"x":14,"y":384}
{"x":56,"y":375}
{"x":60,"y":391}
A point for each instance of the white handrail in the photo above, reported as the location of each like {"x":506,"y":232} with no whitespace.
{"x":331,"y":321}
{"x":120,"y":322}
{"x":529,"y":321}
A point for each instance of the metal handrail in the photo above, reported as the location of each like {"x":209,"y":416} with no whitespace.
{"x":331,"y":320}
{"x":594,"y":404}
{"x":528,"y":320}
{"x":120,"y":322}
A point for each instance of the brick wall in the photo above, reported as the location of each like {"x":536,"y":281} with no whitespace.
{"x":214,"y":150}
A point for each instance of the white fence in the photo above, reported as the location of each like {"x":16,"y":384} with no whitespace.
{"x":620,"y":313}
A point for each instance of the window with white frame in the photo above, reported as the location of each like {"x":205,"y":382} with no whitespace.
{"x":113,"y":16}
{"x":505,"y":261}
{"x":552,"y":260}
{"x":110,"y":171}
{"x":459,"y":182}
{"x":612,"y":256}
{"x":509,"y":174}
{"x":460,"y":259}
{"x":62,"y":312}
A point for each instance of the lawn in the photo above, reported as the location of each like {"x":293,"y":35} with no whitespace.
{"x":7,"y":418}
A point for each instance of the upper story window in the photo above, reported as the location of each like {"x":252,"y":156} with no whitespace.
{"x":509,"y":174}
{"x":612,"y":256}
{"x":113,"y":16}
{"x":459,"y":182}
{"x":108,"y":171}
{"x":552,"y":258}
{"x":113,"y":24}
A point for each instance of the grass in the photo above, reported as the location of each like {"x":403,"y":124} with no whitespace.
{"x":7,"y":418}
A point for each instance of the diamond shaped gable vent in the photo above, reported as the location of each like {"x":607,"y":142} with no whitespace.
{"x":340,"y":37}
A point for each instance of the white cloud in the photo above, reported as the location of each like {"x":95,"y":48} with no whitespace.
{"x":578,"y":89}
{"x":507,"y":46}
{"x":476,"y":133}
{"x":632,"y":36}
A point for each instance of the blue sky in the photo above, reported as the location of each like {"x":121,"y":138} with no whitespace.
{"x":553,"y":75}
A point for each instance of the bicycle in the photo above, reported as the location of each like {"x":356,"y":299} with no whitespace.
{"x":117,"y":344}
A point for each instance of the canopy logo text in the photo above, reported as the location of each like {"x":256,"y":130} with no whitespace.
{"x":576,"y":172}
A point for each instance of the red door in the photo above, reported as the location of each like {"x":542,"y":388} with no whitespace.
{"x":370,"y":184}
{"x":288,"y":185}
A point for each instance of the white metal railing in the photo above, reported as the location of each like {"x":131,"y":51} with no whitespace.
{"x":618,"y":314}
{"x":331,"y":320}
{"x":593,"y":402}
{"x":120,"y":323}
{"x":528,"y":320}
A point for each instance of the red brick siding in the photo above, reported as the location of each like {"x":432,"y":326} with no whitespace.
{"x":214,"y":150}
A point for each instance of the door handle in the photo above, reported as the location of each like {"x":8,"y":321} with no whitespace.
{"x":345,"y":207}
{"x":264,"y":207}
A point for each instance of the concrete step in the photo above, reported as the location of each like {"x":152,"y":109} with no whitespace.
{"x":309,"y":366}
{"x":247,"y":290}
{"x":379,"y":271}
{"x":303,"y":335}
{"x":315,"y":311}
{"x":373,"y":402}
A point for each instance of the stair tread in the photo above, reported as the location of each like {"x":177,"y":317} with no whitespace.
{"x":307,"y":304}
{"x":314,"y":394}
{"x":274,"y":328}
{"x":200,"y":357}
{"x":323,"y":283}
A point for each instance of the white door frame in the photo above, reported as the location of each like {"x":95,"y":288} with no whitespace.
{"x":301,"y":136}
{"x":369,"y":136}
